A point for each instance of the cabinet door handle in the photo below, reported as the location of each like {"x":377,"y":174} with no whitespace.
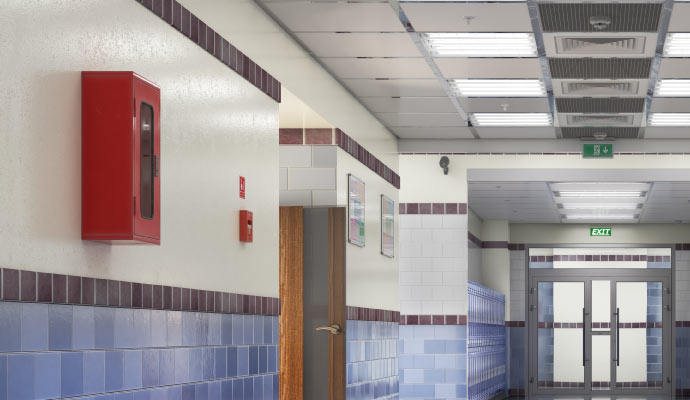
{"x":156,"y":165}
{"x":333,"y":329}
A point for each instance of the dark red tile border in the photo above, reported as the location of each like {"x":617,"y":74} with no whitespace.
{"x":494,"y":245}
{"x":367,"y":314}
{"x":318,"y":136}
{"x":188,"y":24}
{"x":290,"y":136}
{"x":433,"y":208}
{"x":424,"y":319}
{"x":357,"y":151}
{"x":474,"y":240}
{"x":600,"y":258}
{"x":604,"y":325}
{"x":515,"y":324}
{"x":516,"y":246}
{"x":516,"y":392}
{"x":30,"y":286}
{"x":683,"y":246}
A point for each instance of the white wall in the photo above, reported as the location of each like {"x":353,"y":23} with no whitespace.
{"x":215,"y":126}
{"x":250,"y":29}
{"x":308,"y":175}
{"x":474,"y":252}
{"x":424,"y":182}
{"x":620,"y":234}
{"x":496,"y":262}
{"x":372,"y":278}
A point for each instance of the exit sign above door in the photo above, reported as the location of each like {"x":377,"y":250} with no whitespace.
{"x":597,"y":150}
{"x":599,"y":231}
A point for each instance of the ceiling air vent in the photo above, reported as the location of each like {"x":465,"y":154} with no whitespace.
{"x":600,"y":68}
{"x":599,"y":105}
{"x":583,"y":17}
{"x":616,"y":132}
{"x":600,"y":45}
{"x":600,"y":88}
{"x":600,"y":120}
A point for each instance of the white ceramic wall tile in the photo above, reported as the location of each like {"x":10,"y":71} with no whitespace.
{"x":295,"y":156}
{"x":324,"y":197}
{"x":295,"y":198}
{"x":682,"y":294}
{"x":324,"y":156}
{"x":433,"y":264}
{"x":311,"y":178}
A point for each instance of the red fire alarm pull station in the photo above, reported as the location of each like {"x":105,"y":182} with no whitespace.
{"x":120,"y":158}
{"x":246,"y":226}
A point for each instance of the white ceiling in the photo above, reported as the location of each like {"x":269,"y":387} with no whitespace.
{"x":532,"y":202}
{"x":369,"y":49}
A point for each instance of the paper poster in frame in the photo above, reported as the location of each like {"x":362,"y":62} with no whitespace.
{"x":355,"y":189}
{"x":387,"y":227}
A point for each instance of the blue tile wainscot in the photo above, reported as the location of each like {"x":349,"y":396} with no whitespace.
{"x":137,"y":344}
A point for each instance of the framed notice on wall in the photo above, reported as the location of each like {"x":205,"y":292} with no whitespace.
{"x":355,"y":188}
{"x":387,"y":227}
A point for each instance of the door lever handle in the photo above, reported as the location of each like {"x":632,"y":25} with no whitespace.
{"x":333,"y":329}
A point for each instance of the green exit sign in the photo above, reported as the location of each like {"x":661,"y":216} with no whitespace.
{"x":599,"y":231}
{"x":597,"y":150}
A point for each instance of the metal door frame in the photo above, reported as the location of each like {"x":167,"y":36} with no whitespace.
{"x":587,"y":275}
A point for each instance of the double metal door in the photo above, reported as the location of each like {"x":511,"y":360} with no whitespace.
{"x":599,"y":332}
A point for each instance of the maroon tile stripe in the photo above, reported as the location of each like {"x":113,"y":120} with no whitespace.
{"x":516,"y":246}
{"x":473,"y":239}
{"x":683,"y":246}
{"x":372,"y":314}
{"x":599,"y":384}
{"x":357,"y":151}
{"x":516,"y":392}
{"x":290,"y":136}
{"x":559,"y":384}
{"x":604,"y":325}
{"x":433,"y":208}
{"x":682,"y":324}
{"x":562,"y":153}
{"x":318,"y":136}
{"x":424,"y":319}
{"x":515,"y":324}
{"x":494,"y":245}
{"x":20,"y":285}
{"x":600,"y":257}
{"x":176,"y":15}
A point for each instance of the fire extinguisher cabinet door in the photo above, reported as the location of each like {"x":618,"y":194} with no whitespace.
{"x":120,"y":158}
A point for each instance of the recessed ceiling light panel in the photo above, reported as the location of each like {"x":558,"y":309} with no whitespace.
{"x":481,"y":44}
{"x":669,"y":119}
{"x":511,"y":119}
{"x":602,"y":217}
{"x":499,"y":87}
{"x":672,"y":88}
{"x":677,"y":45}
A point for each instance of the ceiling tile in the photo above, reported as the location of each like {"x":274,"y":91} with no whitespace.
{"x":454,"y":68}
{"x":516,"y":132}
{"x":655,"y":132}
{"x":330,"y":44}
{"x":521,"y":104}
{"x":668,"y":104}
{"x":422,"y":119}
{"x":395,"y":87}
{"x":337,"y":17}
{"x":674,"y":68}
{"x":379,"y":67}
{"x":680,"y":18}
{"x":459,"y":132}
{"x":409,"y":104}
{"x":469,"y":17}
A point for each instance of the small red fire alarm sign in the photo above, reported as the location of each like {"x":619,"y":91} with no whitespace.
{"x":242,"y":186}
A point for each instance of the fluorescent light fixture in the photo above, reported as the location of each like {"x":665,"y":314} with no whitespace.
{"x":672,"y":88}
{"x":511,"y":119}
{"x":591,"y":216}
{"x":677,"y":45}
{"x":594,"y":194}
{"x":669,"y":119}
{"x":481,"y":44}
{"x":603,"y":206}
{"x":499,"y":87}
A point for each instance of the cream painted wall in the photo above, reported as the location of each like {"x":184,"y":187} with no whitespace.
{"x":424,"y":182}
{"x":496,"y":262}
{"x":215,"y":127}
{"x":372,"y":279}
{"x":474,"y":223}
{"x":251,"y":30}
{"x":620,"y":234}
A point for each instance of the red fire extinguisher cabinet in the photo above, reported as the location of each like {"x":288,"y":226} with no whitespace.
{"x":120,"y":158}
